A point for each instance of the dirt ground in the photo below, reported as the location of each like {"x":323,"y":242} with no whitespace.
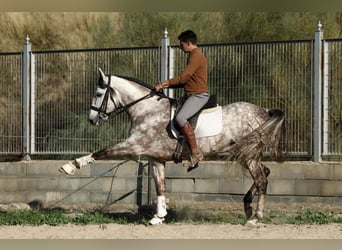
{"x":173,"y":231}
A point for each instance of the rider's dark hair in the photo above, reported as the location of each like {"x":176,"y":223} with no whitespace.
{"x":188,"y":35}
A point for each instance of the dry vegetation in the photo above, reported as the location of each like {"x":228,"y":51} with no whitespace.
{"x":75,"y":30}
{"x":57,"y":30}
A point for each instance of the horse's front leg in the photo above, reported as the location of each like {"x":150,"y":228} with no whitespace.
{"x":159,"y":180}
{"x":124,"y":148}
{"x":71,"y":167}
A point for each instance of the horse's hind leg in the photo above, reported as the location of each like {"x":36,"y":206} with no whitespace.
{"x":259,"y":173}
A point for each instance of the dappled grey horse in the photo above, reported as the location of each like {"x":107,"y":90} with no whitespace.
{"x":247,"y":131}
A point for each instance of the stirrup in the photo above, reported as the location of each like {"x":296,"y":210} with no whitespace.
{"x":192,"y":166}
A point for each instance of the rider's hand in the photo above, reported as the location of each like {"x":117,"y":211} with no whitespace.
{"x":161,"y":85}
{"x":158,"y":87}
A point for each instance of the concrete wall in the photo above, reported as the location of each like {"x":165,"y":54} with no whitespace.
{"x":125,"y":184}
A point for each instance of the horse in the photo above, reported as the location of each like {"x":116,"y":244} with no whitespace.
{"x":247,"y":131}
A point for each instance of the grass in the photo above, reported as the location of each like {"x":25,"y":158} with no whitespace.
{"x":315,"y":217}
{"x":57,"y":217}
{"x":306,"y":217}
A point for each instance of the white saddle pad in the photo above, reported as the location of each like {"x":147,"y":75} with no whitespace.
{"x":209,"y":123}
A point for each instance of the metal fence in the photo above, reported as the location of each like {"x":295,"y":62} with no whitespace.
{"x":332,"y":98}
{"x":272,"y":75}
{"x":60,"y":85}
{"x":64,"y":85}
{"x":10,"y":103}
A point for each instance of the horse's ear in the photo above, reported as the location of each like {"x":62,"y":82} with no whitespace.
{"x":102,"y":75}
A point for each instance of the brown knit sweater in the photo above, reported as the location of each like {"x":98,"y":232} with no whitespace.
{"x":194,"y":76}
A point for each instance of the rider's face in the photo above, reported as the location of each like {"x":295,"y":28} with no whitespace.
{"x":185,"y":46}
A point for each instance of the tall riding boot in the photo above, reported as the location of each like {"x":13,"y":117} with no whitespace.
{"x":191,"y":139}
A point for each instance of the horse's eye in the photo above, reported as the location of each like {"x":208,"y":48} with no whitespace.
{"x":98,"y":94}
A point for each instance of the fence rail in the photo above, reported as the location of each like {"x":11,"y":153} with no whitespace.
{"x":271,"y":74}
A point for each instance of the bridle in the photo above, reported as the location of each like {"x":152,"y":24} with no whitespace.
{"x":102,"y":110}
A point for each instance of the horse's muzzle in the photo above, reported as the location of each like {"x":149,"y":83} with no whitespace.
{"x":94,"y":122}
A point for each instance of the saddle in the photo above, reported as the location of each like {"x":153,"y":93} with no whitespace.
{"x":206,"y":122}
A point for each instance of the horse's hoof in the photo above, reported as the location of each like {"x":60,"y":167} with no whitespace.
{"x":156,"y":220}
{"x":69,"y":169}
{"x":248,"y":212}
{"x":251,"y":223}
{"x":259,"y":215}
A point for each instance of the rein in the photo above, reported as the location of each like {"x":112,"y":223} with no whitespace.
{"x":102,"y":109}
{"x":127,"y":106}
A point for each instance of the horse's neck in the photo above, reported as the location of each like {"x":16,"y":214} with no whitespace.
{"x":151,"y":105}
{"x":129,"y":91}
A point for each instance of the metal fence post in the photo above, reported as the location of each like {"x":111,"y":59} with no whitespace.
{"x":32,"y":103}
{"x":165,"y":63}
{"x":317,"y":118}
{"x":325,"y":132}
{"x":26,"y":99}
{"x":149,"y":183}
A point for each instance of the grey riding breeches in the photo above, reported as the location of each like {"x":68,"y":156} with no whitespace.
{"x":191,"y":106}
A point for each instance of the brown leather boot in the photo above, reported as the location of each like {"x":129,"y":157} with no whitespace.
{"x":191,"y":139}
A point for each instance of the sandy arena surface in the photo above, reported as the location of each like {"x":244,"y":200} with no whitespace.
{"x":173,"y":231}
{"x":187,"y":230}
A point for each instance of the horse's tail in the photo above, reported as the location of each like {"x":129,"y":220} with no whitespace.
{"x":266,"y":136}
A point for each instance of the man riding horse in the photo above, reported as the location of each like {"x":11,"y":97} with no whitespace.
{"x":243,"y":138}
{"x":194,"y":80}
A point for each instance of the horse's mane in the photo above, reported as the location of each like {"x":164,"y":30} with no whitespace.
{"x":140,"y":82}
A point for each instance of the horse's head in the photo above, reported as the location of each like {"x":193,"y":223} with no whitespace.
{"x":105,"y":100}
